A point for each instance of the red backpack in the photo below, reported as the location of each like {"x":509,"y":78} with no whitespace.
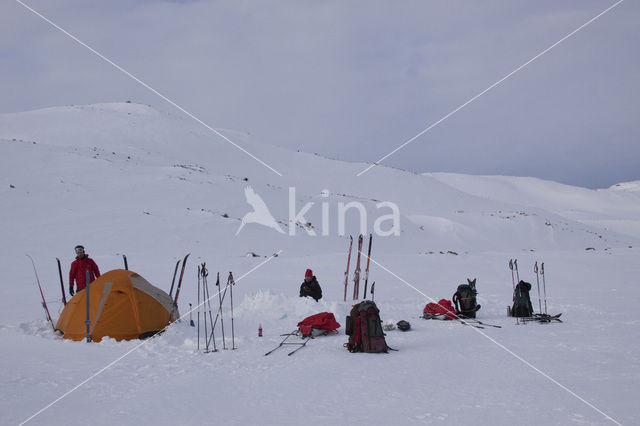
{"x":364,"y":328}
{"x":442,"y":310}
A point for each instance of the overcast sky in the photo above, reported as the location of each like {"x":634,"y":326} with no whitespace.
{"x":355,"y":79}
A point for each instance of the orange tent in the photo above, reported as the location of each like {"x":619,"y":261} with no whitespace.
{"x":122,"y":305}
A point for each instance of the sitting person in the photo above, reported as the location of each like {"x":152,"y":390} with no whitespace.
{"x":310,"y":286}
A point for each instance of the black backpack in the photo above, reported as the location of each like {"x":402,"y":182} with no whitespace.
{"x":465,"y":299}
{"x":364,"y":328}
{"x":521,"y":302}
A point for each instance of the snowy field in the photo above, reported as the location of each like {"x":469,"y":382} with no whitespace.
{"x":127,"y":179}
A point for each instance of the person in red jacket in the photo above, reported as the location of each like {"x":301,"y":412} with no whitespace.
{"x":79,"y":268}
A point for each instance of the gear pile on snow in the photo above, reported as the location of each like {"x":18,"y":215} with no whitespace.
{"x":316,"y":325}
{"x":323,"y":322}
{"x":442,"y":310}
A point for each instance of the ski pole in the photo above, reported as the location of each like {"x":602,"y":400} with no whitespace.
{"x":544,"y":287}
{"x":44,"y":302}
{"x":126,"y":264}
{"x":232,"y":282}
{"x":513,"y":282}
{"x":535,"y":269}
{"x":204,"y":298}
{"x":219,"y":314}
{"x":64,"y":297}
{"x":224,"y":343}
{"x":191,"y":323}
{"x":212,"y":337}
{"x":198,"y":304}
{"x":515,"y":263}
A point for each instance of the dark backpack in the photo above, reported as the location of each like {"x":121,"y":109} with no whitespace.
{"x":364,"y":328}
{"x":465,"y":300}
{"x":521,"y":302}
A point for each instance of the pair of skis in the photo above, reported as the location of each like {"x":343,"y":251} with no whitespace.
{"x":542,"y":318}
{"x":174,"y":312}
{"x":356,"y":275}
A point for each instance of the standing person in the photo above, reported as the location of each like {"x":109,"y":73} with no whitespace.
{"x":79,"y":268}
{"x":310,"y":286}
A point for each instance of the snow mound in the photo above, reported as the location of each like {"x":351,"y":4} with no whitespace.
{"x":633,"y":186}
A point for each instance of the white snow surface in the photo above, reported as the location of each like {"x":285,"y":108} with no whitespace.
{"x":125,"y":178}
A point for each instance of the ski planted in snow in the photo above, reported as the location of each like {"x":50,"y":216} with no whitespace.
{"x":44,"y":302}
{"x":64,"y":296}
{"x":366,"y":271}
{"x":346,"y":273}
{"x":175,"y":272}
{"x":356,"y":275}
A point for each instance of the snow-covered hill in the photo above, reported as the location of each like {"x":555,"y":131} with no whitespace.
{"x":125,"y":178}
{"x":616,"y":208}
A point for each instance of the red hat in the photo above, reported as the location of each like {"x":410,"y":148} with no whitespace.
{"x":309,"y":273}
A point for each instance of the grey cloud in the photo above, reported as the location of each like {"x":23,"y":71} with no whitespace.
{"x":353,"y":80}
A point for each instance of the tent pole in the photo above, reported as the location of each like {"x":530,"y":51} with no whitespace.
{"x":88,"y":321}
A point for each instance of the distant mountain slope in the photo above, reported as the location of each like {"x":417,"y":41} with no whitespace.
{"x":100,"y":168}
{"x":616,"y":208}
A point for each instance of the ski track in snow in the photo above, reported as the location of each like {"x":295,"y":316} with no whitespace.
{"x":124,"y":178}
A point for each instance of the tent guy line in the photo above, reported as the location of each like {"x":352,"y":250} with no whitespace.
{"x":146,"y":86}
{"x":500,"y":345}
{"x":135,"y":348}
{"x":375,"y":163}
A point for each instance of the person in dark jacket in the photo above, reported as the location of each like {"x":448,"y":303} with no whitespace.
{"x":79,"y":268}
{"x":310,"y":287}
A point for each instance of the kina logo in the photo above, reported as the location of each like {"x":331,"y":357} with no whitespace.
{"x":260,"y":214}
